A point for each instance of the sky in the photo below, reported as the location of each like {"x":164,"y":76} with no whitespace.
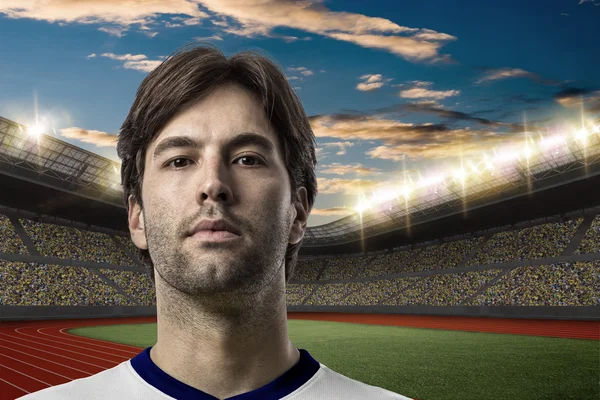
{"x":392,"y":89}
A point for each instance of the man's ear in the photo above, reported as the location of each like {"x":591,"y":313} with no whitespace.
{"x":299,"y":223}
{"x":136,"y":224}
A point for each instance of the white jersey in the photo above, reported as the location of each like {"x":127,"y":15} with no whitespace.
{"x":141,"y":379}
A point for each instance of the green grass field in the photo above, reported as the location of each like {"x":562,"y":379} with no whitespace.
{"x":431,"y":364}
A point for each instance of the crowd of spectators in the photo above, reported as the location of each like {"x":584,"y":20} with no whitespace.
{"x":54,"y":285}
{"x":309,"y":269}
{"x":332,"y":294}
{"x":136,"y":284}
{"x":297,"y":293}
{"x":378,"y":292}
{"x":443,"y":256}
{"x":540,"y":241}
{"x":444,"y":289}
{"x":389,"y":264}
{"x":75,"y":244}
{"x":549,"y":285}
{"x":10,"y":242}
{"x":434,"y":257}
{"x":565,"y":284}
{"x":591,"y":241}
{"x":126,"y":240}
{"x":344,"y":268}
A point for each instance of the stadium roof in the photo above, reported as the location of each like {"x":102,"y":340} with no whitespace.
{"x":49,"y":161}
{"x":537,"y":165}
{"x":52,"y":162}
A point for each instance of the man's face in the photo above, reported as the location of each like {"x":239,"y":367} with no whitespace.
{"x":245,"y":184}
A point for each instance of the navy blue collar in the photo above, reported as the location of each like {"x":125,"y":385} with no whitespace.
{"x":287,"y":383}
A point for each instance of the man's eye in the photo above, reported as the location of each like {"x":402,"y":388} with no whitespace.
{"x":253,"y":160}
{"x":179,"y":163}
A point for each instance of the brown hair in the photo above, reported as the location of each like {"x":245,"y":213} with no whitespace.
{"x":187,"y":76}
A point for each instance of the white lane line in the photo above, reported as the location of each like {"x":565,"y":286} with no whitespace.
{"x":13,"y":385}
{"x":67,"y":344}
{"x":72,"y":345}
{"x":55,"y":347}
{"x":82,"y":341}
{"x":19,"y":372}
{"x":54,"y":354}
{"x":45,"y":359}
{"x":35,"y":366}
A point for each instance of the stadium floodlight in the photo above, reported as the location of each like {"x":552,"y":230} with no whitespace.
{"x":384,"y":195}
{"x":553,"y":142}
{"x":432,"y":180}
{"x":36,"y":130}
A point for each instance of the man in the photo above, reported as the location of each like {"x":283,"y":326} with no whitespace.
{"x":218,"y":175}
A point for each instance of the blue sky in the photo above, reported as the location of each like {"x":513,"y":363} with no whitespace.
{"x":388,"y":86}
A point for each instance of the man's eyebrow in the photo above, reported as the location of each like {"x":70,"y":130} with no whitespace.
{"x":174,"y":142}
{"x":251,"y":139}
{"x":243,"y":139}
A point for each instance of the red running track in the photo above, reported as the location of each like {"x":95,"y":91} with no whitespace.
{"x":35,"y":355}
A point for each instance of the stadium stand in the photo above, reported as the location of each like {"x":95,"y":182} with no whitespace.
{"x":76,"y":244}
{"x":591,"y":241}
{"x":9,"y":240}
{"x":44,"y":285}
{"x":428,"y":274}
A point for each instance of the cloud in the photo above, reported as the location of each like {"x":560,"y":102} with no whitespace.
{"x":91,"y":56}
{"x":320,"y":153}
{"x":406,"y":47}
{"x":371,"y":82}
{"x":347,"y":186}
{"x":565,"y":14}
{"x":341,"y":169}
{"x":494,"y":74}
{"x":124,"y":57}
{"x":118,"y":31}
{"x":119,"y":14}
{"x":144,"y":65}
{"x":340,"y":145}
{"x":428,"y":34}
{"x":98,"y":138}
{"x":138,"y":62}
{"x":290,"y":39}
{"x":204,"y":38}
{"x":418,"y":93}
{"x":400,"y":139}
{"x":333,"y":211}
{"x":450,"y":115}
{"x":247,"y":18}
{"x":150,"y":34}
{"x":181,"y":22}
{"x":576,"y":97}
{"x":413,"y":84}
{"x":303,"y":70}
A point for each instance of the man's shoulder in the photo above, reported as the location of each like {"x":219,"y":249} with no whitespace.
{"x":330,"y":384}
{"x":117,"y":382}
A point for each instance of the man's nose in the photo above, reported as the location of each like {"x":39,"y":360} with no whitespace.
{"x":214,"y":180}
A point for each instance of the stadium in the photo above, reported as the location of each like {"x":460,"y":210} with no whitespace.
{"x":480,"y":284}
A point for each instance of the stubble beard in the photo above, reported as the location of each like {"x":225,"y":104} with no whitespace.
{"x":222,"y":274}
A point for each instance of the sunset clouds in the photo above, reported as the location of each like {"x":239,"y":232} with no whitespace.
{"x":98,"y":138}
{"x":248,"y":18}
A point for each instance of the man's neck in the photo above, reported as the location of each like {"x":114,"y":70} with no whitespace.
{"x":223,"y":354}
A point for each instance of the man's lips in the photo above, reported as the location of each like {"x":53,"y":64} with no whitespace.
{"x":215,"y":234}
{"x":216,"y":225}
